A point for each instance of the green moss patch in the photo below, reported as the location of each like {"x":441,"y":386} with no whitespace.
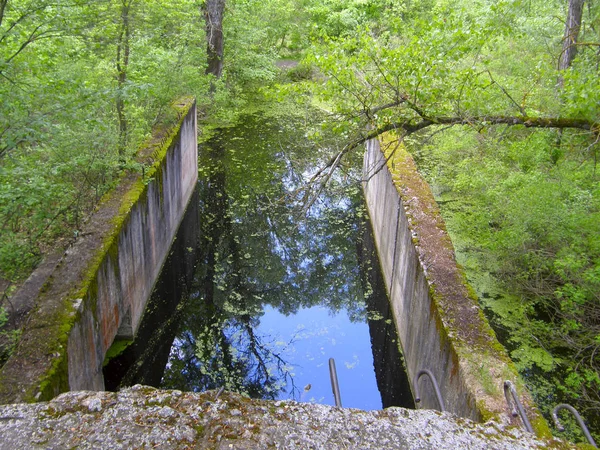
{"x":480,"y":360}
{"x":38,"y":369}
{"x":117,"y":347}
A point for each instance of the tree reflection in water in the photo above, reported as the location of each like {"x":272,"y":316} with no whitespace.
{"x":256,"y":248}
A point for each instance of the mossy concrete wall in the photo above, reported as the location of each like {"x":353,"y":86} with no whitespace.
{"x":100,"y":287}
{"x":125,"y":279}
{"x":439,"y":322}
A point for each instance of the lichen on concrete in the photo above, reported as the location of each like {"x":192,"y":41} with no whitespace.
{"x":142,"y":417}
{"x":471,"y":365}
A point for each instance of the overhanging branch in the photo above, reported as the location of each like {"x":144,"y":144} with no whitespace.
{"x":410,"y":127}
{"x":323,"y":175}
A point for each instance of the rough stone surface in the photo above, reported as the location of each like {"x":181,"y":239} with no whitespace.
{"x":143,"y":417}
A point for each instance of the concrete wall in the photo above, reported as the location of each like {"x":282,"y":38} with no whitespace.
{"x":144,"y":359}
{"x":440,"y":325}
{"x":125,"y":280}
{"x":415,"y":314}
{"x":76,"y":304}
{"x":388,"y":362}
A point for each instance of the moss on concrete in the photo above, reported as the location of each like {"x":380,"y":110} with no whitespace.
{"x":56,"y":380}
{"x":478,"y":356}
{"x":117,"y":347}
{"x":46,"y":344}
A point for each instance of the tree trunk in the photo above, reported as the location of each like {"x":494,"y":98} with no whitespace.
{"x":213,"y":16}
{"x":3,"y":4}
{"x":569,"y":49}
{"x":123,"y":49}
{"x":572,"y":27}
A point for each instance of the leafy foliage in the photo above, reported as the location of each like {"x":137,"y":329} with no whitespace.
{"x":455,"y":81}
{"x":532,"y":222}
{"x":59,"y":137}
{"x":463,"y":83}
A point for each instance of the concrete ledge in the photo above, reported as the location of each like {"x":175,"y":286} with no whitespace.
{"x":142,"y":417}
{"x":100,"y":286}
{"x":440,"y":324}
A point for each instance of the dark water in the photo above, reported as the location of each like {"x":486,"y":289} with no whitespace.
{"x":257,"y":295}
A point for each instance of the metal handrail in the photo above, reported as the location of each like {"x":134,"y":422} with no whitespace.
{"x":436,"y":388}
{"x":585,"y":430}
{"x":219,"y":392}
{"x":509,"y":387}
{"x":334,"y":383}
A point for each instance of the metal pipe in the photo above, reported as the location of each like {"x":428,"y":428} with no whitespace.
{"x":585,"y":430}
{"x":436,"y":388}
{"x":334,"y":383}
{"x":509,"y":387}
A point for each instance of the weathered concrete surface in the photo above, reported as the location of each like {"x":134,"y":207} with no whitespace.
{"x":125,"y":279}
{"x":141,"y":417}
{"x":388,"y":361}
{"x":145,"y":359}
{"x":440,"y":324}
{"x":101,"y":284}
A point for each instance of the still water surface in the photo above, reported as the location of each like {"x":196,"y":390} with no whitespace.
{"x":257,"y":294}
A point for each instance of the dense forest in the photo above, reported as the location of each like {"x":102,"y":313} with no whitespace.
{"x":497,"y":100}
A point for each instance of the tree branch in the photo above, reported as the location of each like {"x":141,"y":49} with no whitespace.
{"x":3,"y":4}
{"x":24,"y":15}
{"x":529,"y":122}
{"x":519,"y":107}
{"x":323,"y":175}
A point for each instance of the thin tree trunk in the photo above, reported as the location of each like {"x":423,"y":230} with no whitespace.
{"x":213,"y":16}
{"x":123,"y":49}
{"x":3,"y":4}
{"x":569,"y":49}
{"x":572,"y":27}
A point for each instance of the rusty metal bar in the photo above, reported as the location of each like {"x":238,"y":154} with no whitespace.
{"x":436,"y":388}
{"x":585,"y":430}
{"x":509,"y":387}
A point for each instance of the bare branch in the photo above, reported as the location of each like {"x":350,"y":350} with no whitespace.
{"x":384,"y":162}
{"x":519,"y":107}
{"x":324,"y":174}
{"x":441,"y":130}
{"x":383,"y":74}
{"x":528,"y":122}
{"x":351,"y":91}
{"x":10,"y":80}
{"x":22,"y":17}
{"x":33,"y":37}
{"x":375,"y":110}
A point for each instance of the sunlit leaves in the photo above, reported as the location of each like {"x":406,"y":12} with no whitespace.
{"x":58,"y":124}
{"x":582,"y":89}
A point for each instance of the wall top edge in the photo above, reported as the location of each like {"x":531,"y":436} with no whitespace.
{"x":463,"y":322}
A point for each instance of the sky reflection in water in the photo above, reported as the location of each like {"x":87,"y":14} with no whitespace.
{"x":264,"y":276}
{"x":318,"y":335}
